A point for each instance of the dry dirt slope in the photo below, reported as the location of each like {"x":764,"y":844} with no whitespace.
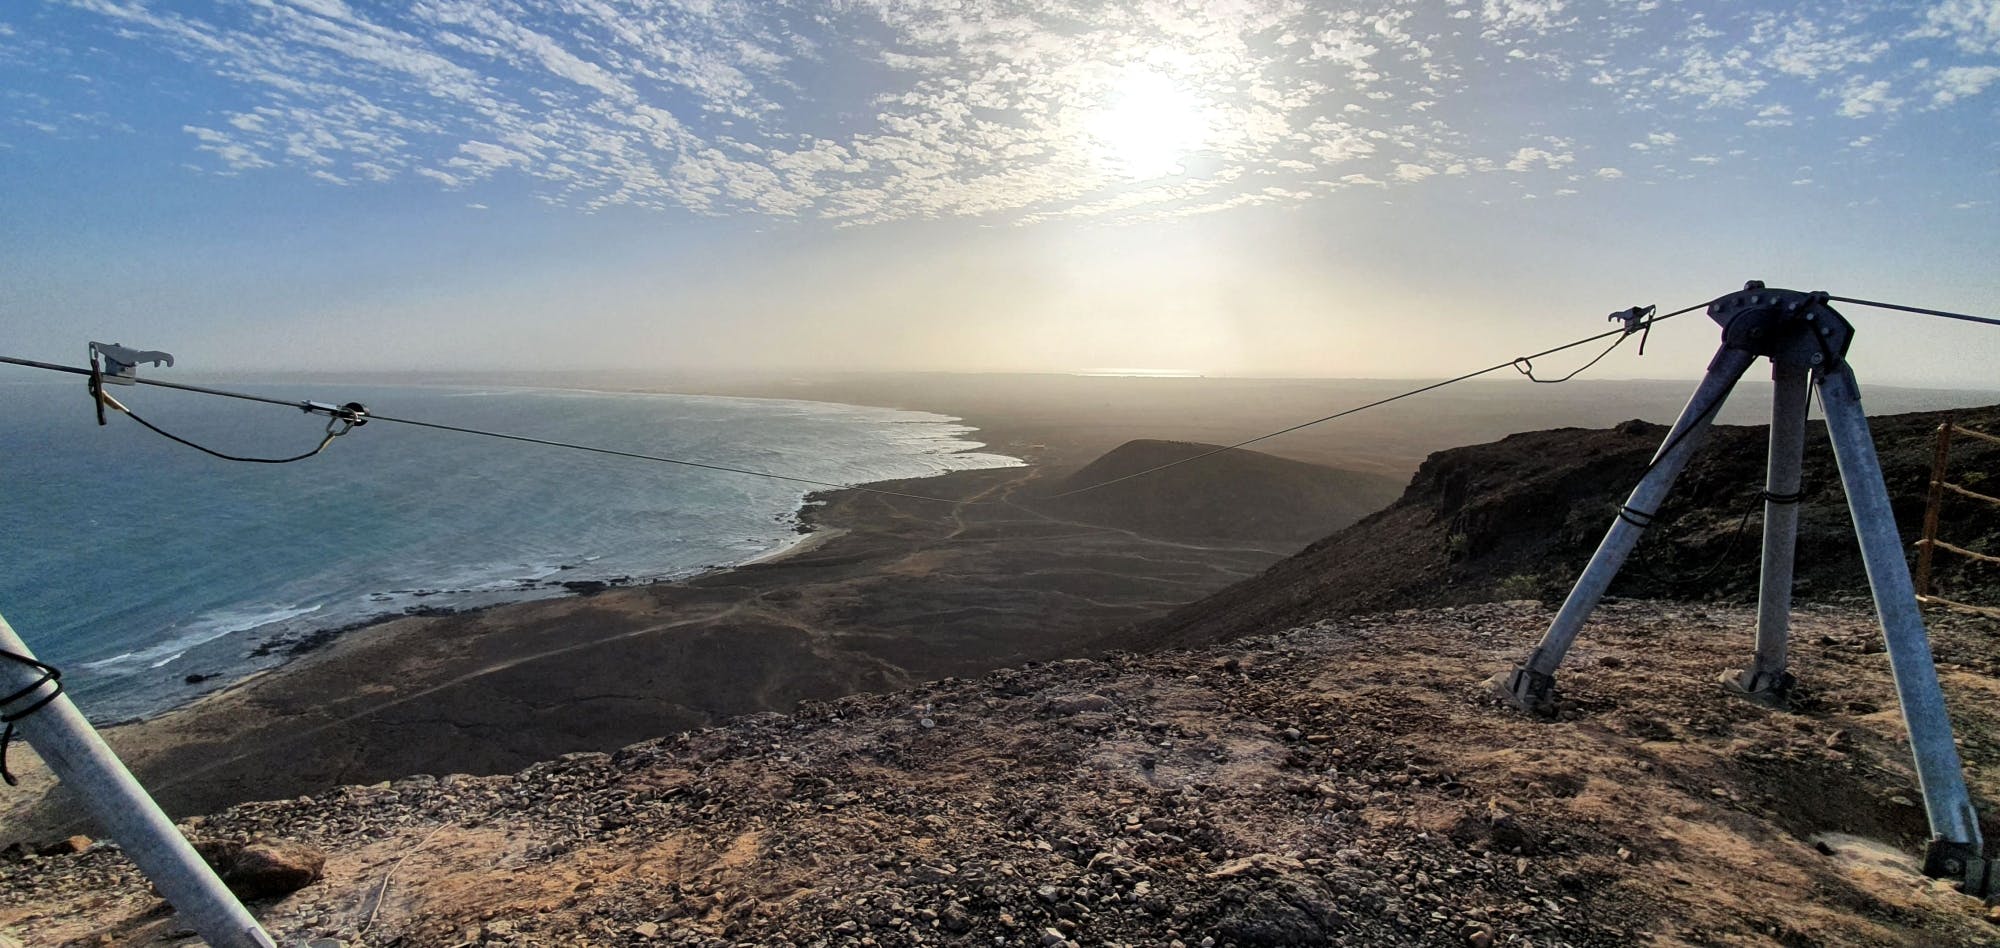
{"x":1345,"y":782}
{"x":1242,"y":494}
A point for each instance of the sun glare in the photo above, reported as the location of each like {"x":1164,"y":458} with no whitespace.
{"x":1148,"y":124}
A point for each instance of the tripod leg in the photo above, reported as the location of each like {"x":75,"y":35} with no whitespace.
{"x":1767,"y":681}
{"x":1956,"y":848}
{"x":1531,"y":685}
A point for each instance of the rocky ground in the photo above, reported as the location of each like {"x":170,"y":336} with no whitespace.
{"x":1344,"y":783}
{"x":1519,"y":517}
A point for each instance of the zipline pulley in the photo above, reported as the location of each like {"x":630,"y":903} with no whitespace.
{"x":121,"y":365}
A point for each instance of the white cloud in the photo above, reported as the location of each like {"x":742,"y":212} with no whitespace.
{"x":1973,"y":25}
{"x":1657,"y":140}
{"x":1525,"y":159}
{"x":1713,"y":80}
{"x":1860,"y":97}
{"x":235,"y":155}
{"x":876,"y":110}
{"x":1520,"y":14}
{"x":1960,"y":82}
{"x":1809,"y":49}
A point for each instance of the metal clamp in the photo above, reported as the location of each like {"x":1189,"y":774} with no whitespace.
{"x":340,"y":419}
{"x":121,"y":365}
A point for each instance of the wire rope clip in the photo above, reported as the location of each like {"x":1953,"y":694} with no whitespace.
{"x":340,"y":419}
{"x":120,"y":364}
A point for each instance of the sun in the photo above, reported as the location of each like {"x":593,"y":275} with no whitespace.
{"x":1148,"y":124}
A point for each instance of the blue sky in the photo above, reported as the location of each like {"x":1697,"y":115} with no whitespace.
{"x":1229,"y":187}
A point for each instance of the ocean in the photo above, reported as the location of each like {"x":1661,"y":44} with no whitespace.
{"x":135,"y":564}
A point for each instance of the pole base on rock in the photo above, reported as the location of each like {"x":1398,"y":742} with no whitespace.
{"x":1944,"y":859}
{"x":1759,"y":687}
{"x":1526,"y":689}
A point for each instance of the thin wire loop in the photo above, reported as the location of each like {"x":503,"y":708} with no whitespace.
{"x":1526,"y":365}
{"x":335,"y":427}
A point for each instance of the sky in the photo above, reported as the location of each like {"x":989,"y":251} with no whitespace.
{"x":1227,"y":188}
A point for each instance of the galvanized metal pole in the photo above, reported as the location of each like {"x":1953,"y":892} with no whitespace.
{"x":80,"y":759}
{"x":1530,"y":686}
{"x":1767,"y":681}
{"x":1956,"y":846}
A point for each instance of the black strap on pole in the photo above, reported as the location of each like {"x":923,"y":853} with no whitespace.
{"x":49,"y":675}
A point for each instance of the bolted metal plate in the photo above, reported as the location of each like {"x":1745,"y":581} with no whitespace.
{"x":1790,"y":326}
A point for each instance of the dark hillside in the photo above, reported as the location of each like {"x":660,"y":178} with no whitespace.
{"x":1517,"y":518}
{"x":1241,"y":495}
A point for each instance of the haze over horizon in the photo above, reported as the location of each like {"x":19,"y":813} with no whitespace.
{"x":1228,"y":189}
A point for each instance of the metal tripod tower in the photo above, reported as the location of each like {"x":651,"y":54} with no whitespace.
{"x":1807,"y":343}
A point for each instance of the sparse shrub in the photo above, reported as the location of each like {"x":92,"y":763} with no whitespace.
{"x":1456,"y":544}
{"x":1520,"y":586}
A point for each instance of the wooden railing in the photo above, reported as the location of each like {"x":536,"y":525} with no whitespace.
{"x":1930,"y":543}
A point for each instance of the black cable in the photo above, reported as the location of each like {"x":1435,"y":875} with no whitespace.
{"x":331,"y":433}
{"x":1526,"y":366}
{"x":1511,"y":363}
{"x":1988,"y":320}
{"x":49,"y":675}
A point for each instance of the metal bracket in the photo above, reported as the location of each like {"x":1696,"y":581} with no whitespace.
{"x":1526,"y":689}
{"x":1635,"y":319}
{"x":121,"y":365}
{"x":1769,"y":690}
{"x":1945,"y":859}
{"x":1786,"y":326}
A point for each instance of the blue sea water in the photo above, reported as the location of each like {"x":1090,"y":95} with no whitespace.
{"x":133,"y":562}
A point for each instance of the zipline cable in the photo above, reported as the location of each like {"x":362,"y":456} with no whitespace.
{"x":1634,"y":324}
{"x":1514,"y":363}
{"x":310,"y":407}
{"x":1947,"y":314}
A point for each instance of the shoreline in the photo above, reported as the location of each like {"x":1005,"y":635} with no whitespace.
{"x":321,"y":641}
{"x":806,"y":543}
{"x":136,"y":691}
